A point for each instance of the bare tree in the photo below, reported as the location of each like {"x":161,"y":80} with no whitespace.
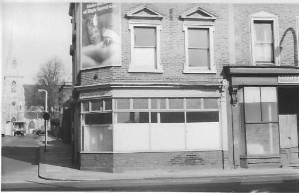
{"x":49,"y":77}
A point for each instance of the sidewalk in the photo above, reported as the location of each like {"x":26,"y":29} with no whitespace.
{"x":55,"y":164}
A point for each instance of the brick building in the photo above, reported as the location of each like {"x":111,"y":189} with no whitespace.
{"x":155,"y":84}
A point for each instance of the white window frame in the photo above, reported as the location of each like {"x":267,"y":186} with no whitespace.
{"x":133,"y":67}
{"x":264,"y":16}
{"x":211,"y":67}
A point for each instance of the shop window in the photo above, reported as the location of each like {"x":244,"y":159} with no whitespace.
{"x":98,"y":118}
{"x":172,"y":117}
{"x":85,"y":106}
{"x":145,"y":26}
{"x":108,"y":104}
{"x":122,"y":103}
{"x":261,"y":120}
{"x":176,"y":103}
{"x":140,"y":103}
{"x":158,"y":103}
{"x":202,"y":116}
{"x":210,"y":103}
{"x":133,"y":117}
{"x":96,"y":105}
{"x":194,"y":103}
{"x":264,"y":36}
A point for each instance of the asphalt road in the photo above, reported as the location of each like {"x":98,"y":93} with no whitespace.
{"x":20,"y":173}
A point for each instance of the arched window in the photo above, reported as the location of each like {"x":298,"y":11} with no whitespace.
{"x":31,"y":125}
{"x":13,"y":86}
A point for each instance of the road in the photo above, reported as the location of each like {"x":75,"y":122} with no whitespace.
{"x":20,"y":173}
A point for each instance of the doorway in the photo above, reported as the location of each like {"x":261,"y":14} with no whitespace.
{"x":288,"y":100}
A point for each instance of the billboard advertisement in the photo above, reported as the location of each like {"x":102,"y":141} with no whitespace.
{"x":100,"y":35}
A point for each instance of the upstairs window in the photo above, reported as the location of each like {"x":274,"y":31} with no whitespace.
{"x":145,"y":46}
{"x":145,"y":26}
{"x":264,"y":38}
{"x":263,"y":42}
{"x":198,"y":26}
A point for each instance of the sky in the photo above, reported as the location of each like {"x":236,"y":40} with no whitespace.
{"x":33,"y":32}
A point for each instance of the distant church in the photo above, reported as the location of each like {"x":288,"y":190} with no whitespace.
{"x":13,"y":102}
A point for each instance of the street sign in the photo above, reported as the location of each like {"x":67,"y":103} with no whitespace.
{"x":46,"y":116}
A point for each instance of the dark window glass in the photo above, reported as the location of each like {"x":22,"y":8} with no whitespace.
{"x":194,"y":103}
{"x":85,"y":106}
{"x":123,"y":103}
{"x":158,"y":103}
{"x":210,"y":103}
{"x":176,"y":103}
{"x":202,"y":117}
{"x":96,"y":105}
{"x":98,"y":119}
{"x":145,"y":36}
{"x":154,"y":117}
{"x":133,"y":117}
{"x":108,"y":104}
{"x":172,"y":117}
{"x":140,"y":104}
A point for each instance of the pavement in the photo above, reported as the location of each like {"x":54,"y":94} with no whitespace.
{"x":56,"y":164}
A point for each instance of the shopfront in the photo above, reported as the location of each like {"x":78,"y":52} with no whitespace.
{"x":264,"y":111}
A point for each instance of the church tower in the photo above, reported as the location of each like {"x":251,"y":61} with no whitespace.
{"x":13,"y":94}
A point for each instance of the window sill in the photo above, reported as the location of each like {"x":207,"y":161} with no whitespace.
{"x":145,"y":69}
{"x":199,"y":71}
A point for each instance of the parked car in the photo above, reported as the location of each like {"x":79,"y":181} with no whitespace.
{"x":19,"y":132}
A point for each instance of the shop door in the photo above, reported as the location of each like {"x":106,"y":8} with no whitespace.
{"x":288,"y":123}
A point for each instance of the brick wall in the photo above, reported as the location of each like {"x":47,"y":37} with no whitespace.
{"x":172,"y":47}
{"x":120,"y":162}
{"x":286,"y":19}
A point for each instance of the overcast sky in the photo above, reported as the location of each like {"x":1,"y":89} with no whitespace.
{"x":35,"y":32}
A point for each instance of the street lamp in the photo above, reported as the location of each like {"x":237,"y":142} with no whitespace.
{"x":46,"y":109}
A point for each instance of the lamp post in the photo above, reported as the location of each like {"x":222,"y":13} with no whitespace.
{"x":46,"y":109}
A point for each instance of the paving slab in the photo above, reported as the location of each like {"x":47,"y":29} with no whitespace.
{"x":56,"y":164}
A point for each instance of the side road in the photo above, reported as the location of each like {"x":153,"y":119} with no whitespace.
{"x":55,"y":164}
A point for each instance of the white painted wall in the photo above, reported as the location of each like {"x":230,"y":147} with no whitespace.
{"x":168,"y":136}
{"x":203,"y":136}
{"x":131,"y":137}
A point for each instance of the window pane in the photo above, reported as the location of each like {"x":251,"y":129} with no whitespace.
{"x":96,"y":105}
{"x":262,"y":138}
{"x":172,"y":117}
{"x":264,"y":52}
{"x":252,"y":104}
{"x":269,"y":104}
{"x":97,"y":119}
{"x":140,"y":104}
{"x":108,"y":104}
{"x":133,"y":117}
{"x":145,"y":36}
{"x":154,"y":118}
{"x":211,"y":103}
{"x":85,"y":106}
{"x":198,"y":58}
{"x":158,"y":103}
{"x":122,"y":103}
{"x":145,"y":56}
{"x":202,"y":117}
{"x":263,"y":31}
{"x":176,"y":103}
{"x":198,"y":38}
{"x":194,"y":103}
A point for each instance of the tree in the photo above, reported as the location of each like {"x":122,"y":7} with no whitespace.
{"x":49,"y":77}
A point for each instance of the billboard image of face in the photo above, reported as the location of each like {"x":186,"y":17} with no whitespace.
{"x":100,"y":35}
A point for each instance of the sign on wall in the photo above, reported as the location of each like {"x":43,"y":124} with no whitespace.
{"x":100,"y":35}
{"x":288,"y":79}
